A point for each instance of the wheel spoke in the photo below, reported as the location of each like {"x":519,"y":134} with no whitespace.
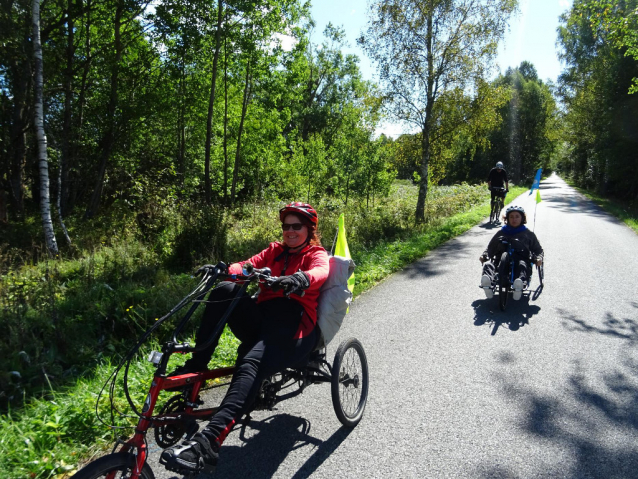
{"x":349,"y":383}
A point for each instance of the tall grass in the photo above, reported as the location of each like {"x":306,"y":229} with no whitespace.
{"x":68,"y":321}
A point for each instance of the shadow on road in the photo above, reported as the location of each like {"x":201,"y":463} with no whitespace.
{"x":592,"y":422}
{"x":267,"y":443}
{"x":576,"y":204}
{"x":438,"y":260}
{"x":623,"y":328}
{"x":490,"y":226}
{"x":516,"y":314}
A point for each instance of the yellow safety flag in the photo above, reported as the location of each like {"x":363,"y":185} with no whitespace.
{"x":341,"y":248}
{"x":538,"y":196}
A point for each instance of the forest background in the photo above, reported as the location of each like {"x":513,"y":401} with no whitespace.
{"x":173,"y":132}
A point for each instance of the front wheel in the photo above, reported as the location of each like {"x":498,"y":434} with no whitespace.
{"x":119,"y":465}
{"x":541,"y":272}
{"x":499,"y":208}
{"x":503,"y":280}
{"x":350,"y":382}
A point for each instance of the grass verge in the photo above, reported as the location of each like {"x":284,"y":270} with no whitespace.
{"x":625,"y":211}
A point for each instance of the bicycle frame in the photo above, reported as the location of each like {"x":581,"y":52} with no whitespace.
{"x":194,"y":381}
{"x":137,"y":443}
{"x":510,"y":252}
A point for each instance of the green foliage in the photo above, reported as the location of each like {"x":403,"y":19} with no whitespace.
{"x":600,"y":121}
{"x":433,"y":60}
{"x":616,"y":22}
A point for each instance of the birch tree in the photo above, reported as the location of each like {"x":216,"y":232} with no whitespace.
{"x":41,"y":139}
{"x":430,"y":50}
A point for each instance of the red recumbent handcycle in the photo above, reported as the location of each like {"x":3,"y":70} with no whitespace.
{"x":178,"y":417}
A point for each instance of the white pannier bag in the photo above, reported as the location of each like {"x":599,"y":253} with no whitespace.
{"x":334,"y":298}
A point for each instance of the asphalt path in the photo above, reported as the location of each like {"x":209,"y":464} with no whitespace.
{"x":460,"y":389}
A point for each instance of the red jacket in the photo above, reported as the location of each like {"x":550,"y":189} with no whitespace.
{"x":312,"y":260}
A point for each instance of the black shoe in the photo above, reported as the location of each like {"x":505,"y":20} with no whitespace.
{"x":191,"y":456}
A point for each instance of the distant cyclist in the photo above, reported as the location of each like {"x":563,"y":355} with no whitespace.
{"x":496,"y":181}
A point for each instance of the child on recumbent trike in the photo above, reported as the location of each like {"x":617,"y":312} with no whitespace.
{"x":514,"y":231}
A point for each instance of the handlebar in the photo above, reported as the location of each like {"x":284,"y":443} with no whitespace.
{"x":262,"y":275}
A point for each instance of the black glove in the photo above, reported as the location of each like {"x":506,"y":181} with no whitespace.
{"x":209,"y":267}
{"x":295,"y":282}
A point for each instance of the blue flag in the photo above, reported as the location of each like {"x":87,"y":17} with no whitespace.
{"x":537,"y":180}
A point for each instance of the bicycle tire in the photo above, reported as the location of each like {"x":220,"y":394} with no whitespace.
{"x":498,"y":207}
{"x":541,"y":272}
{"x":350,"y":387}
{"x":503,"y":280}
{"x":110,"y":465}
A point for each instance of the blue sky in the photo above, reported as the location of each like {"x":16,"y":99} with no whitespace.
{"x":532,"y":36}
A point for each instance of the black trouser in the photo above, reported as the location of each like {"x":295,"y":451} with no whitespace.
{"x":268,"y":345}
{"x":522,"y":269}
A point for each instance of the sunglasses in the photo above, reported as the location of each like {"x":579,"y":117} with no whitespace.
{"x":294,"y":226}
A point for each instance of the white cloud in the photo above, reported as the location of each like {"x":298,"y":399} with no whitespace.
{"x":394,"y":130}
{"x":564,"y":3}
{"x":287,"y":42}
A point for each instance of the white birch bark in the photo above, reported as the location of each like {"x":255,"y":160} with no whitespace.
{"x":43,"y":165}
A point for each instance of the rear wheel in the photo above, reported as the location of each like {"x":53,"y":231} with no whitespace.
{"x":113,"y":466}
{"x":350,"y":382}
{"x":503,"y":280}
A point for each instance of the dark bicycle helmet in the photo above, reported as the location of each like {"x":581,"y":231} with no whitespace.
{"x":519,"y":209}
{"x":499,"y":165}
{"x":304,"y":210}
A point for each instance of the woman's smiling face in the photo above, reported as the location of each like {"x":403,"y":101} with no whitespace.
{"x":294,"y":238}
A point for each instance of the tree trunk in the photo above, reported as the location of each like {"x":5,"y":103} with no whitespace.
{"x":59,"y":205}
{"x":107,"y":140}
{"x":76,"y":131}
{"x":45,"y":206}
{"x":225,"y":123}
{"x":426,"y":129}
{"x":244,"y":108}
{"x":65,"y":158}
{"x":19,"y":125}
{"x":211,"y":104}
{"x":423,"y":183}
{"x":181,"y":123}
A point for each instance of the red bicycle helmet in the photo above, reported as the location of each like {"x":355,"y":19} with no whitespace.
{"x":302,"y":209}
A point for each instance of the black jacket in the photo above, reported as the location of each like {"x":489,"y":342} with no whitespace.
{"x":497,"y":178}
{"x":526,"y":240}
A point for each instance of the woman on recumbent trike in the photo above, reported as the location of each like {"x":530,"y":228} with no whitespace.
{"x":515,"y":232}
{"x":276,"y":330}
